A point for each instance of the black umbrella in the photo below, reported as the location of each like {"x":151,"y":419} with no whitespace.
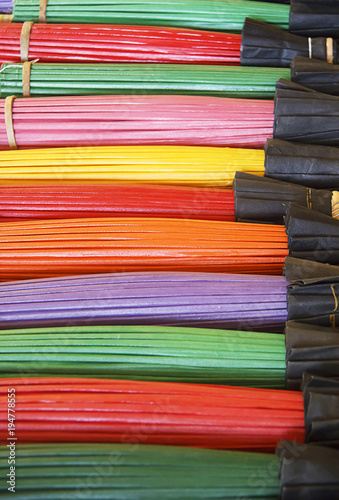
{"x":310,"y":348}
{"x":306,"y":164}
{"x":308,"y":472}
{"x":315,"y":17}
{"x":303,"y":115}
{"x":260,"y":199}
{"x":317,"y":75}
{"x":314,"y":302}
{"x":267,"y":45}
{"x":312,"y":235}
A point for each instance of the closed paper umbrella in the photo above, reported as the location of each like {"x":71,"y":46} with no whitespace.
{"x":240,"y":302}
{"x":38,"y":249}
{"x":173,"y":354}
{"x":64,"y":470}
{"x":104,"y":79}
{"x":201,"y":14}
{"x":318,"y":75}
{"x":101,"y":410}
{"x":171,"y":165}
{"x":152,"y":353}
{"x":65,"y":200}
{"x":127,"y":120}
{"x":111,"y":43}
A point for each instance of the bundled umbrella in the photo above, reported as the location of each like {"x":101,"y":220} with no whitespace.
{"x":37,"y":80}
{"x":306,"y":17}
{"x":266,"y":45}
{"x":303,"y":115}
{"x":172,"y":165}
{"x":261,"y":44}
{"x":101,"y":410}
{"x":38,"y":249}
{"x":223,"y":16}
{"x":47,"y":248}
{"x":127,"y":120}
{"x":261,"y":199}
{"x":306,"y":164}
{"x":110,"y":43}
{"x":318,"y":75}
{"x":240,"y":302}
{"x":154,"y":353}
{"x":34,"y":200}
{"x":174,"y":472}
{"x":65,"y":470}
{"x":172,"y":354}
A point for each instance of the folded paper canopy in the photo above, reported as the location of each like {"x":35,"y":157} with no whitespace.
{"x":39,"y":249}
{"x":100,"y":410}
{"x":308,"y":471}
{"x":110,"y":43}
{"x":314,"y":18}
{"x":312,"y":235}
{"x":261,"y":199}
{"x":203,"y":14}
{"x":71,"y":200}
{"x":310,"y":348}
{"x":314,"y":301}
{"x":105,"y":79}
{"x":207,"y":300}
{"x":62,"y":469}
{"x":153,"y":353}
{"x":318,"y":75}
{"x":125,"y":120}
{"x":304,"y":115}
{"x":306,"y":164}
{"x":265,"y":45}
{"x":172,"y":165}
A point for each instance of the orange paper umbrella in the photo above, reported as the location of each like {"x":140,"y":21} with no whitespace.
{"x":37,"y":249}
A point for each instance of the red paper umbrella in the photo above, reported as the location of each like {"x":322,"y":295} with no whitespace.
{"x":92,"y":410}
{"x":113,"y":43}
{"x":32,"y":200}
{"x":38,"y":249}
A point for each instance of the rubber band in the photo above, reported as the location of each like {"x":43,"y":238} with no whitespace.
{"x":43,"y":11}
{"x":25,"y":39}
{"x":335,"y":299}
{"x":9,"y":122}
{"x":335,"y":205}
{"x":26,"y":77}
{"x":310,"y":47}
{"x":309,"y":198}
{"x":6,"y":18}
{"x":329,"y":50}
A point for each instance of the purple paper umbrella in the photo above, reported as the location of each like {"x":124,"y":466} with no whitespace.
{"x":6,"y":6}
{"x":242,"y":302}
